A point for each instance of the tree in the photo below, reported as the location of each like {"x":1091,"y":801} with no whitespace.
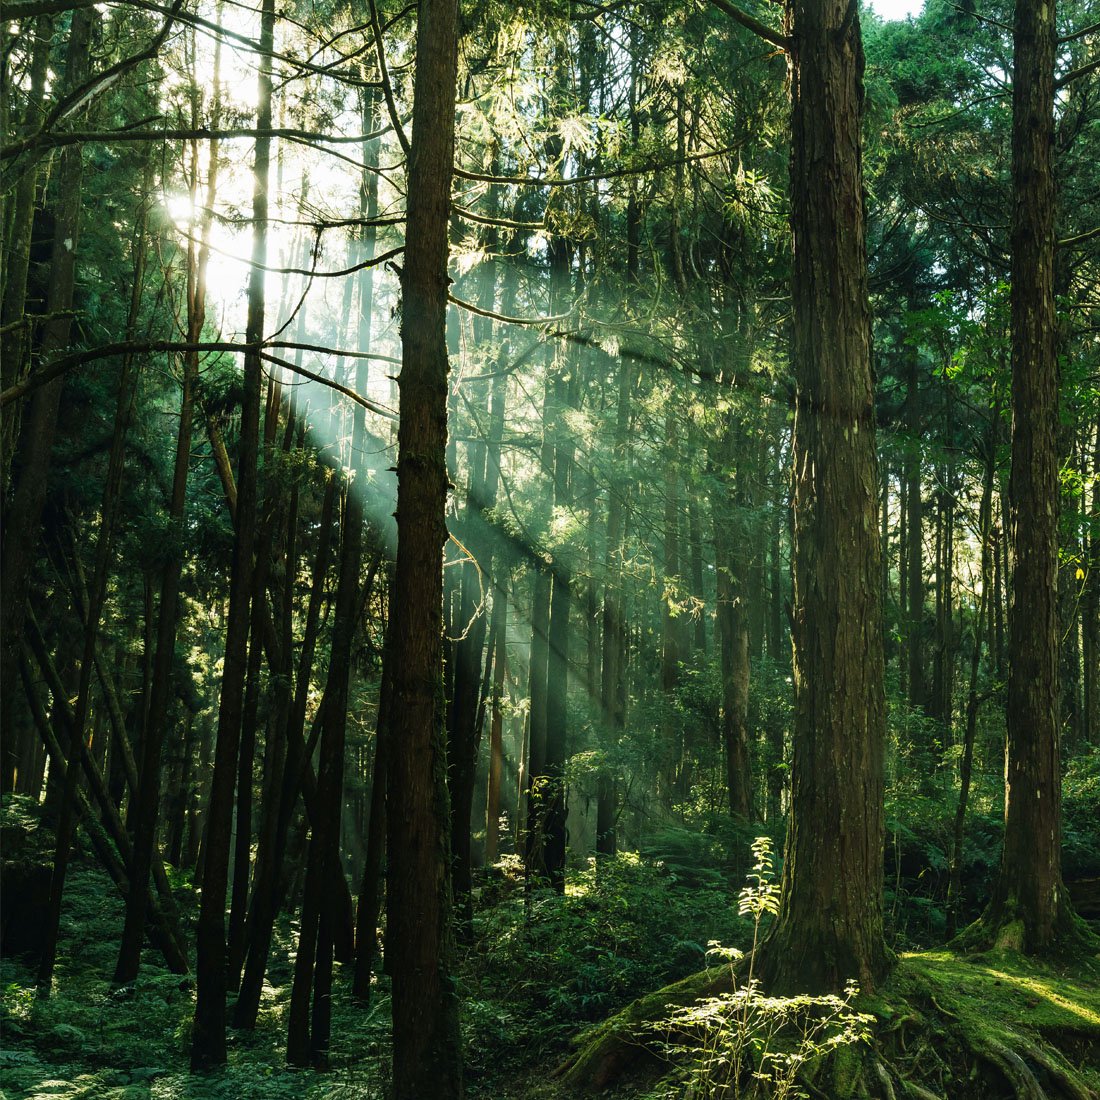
{"x":208,"y":1034}
{"x":1030,"y":908}
{"x":427,"y":1057}
{"x":829,"y":927}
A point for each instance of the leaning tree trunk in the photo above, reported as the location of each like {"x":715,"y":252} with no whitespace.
{"x":829,"y":927}
{"x":427,"y":1056}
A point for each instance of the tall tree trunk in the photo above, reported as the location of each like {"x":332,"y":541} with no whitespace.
{"x":498,"y":630}
{"x":427,"y":1056}
{"x":25,"y":515}
{"x":145,"y":812}
{"x":829,"y":927}
{"x":463,"y":730}
{"x":19,"y":226}
{"x":1030,"y":909}
{"x":284,"y":785}
{"x":366,"y":917}
{"x":914,"y":545}
{"x":208,"y":1048}
{"x":613,"y":671}
{"x":1090,"y":611}
{"x":966,"y":762}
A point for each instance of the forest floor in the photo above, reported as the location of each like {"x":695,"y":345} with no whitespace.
{"x":992,"y":1027}
{"x":996,"y":1026}
{"x":535,"y":974}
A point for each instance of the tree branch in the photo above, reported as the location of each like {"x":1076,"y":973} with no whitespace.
{"x":762,"y":30}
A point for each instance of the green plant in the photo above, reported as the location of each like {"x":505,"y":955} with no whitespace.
{"x":744,"y":1044}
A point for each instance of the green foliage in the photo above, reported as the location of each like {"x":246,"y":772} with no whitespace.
{"x":1081,"y":816}
{"x":623,"y":927}
{"x":743,"y":1044}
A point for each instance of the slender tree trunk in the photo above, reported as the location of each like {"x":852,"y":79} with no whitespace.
{"x":914,"y":546}
{"x":145,"y":812}
{"x":1090,"y":612}
{"x":463,"y":729}
{"x":24,"y":517}
{"x":613,"y":671}
{"x":1030,"y":908}
{"x":366,"y":924}
{"x":19,"y":225}
{"x":208,"y":1048}
{"x":966,"y":763}
{"x":167,"y":937}
{"x":283,"y":792}
{"x":427,"y":1056}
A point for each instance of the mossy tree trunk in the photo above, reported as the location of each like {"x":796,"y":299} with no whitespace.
{"x":830,"y":925}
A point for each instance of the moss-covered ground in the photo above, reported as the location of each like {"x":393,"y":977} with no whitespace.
{"x":534,"y":974}
{"x":946,"y":1026}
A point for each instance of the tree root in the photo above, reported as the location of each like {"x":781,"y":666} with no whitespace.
{"x":1071,"y":1086}
{"x":1012,"y":1066}
{"x":884,"y":1079}
{"x":919,"y":1092}
{"x":946,"y":1030}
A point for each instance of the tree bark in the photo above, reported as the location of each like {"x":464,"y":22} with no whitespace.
{"x":145,"y":813}
{"x":1030,"y":907}
{"x":829,"y":927}
{"x":427,"y":1056}
{"x":24,"y":518}
{"x":208,"y":1049}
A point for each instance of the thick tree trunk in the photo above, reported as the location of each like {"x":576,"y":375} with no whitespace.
{"x":830,"y":924}
{"x":427,"y":1056}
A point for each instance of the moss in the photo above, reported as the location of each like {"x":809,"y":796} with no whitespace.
{"x":974,"y":1006}
{"x":604,"y":1051}
{"x":847,"y":1066}
{"x":1002,"y":990}
{"x":1010,"y":937}
{"x":964,"y":1004}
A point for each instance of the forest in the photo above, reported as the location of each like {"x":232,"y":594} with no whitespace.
{"x":550,"y":548}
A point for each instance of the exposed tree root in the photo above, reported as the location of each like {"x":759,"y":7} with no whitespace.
{"x":884,"y":1079}
{"x":919,"y":1092}
{"x":1070,"y":1084}
{"x":947,"y":1028}
{"x":1012,"y":1066}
